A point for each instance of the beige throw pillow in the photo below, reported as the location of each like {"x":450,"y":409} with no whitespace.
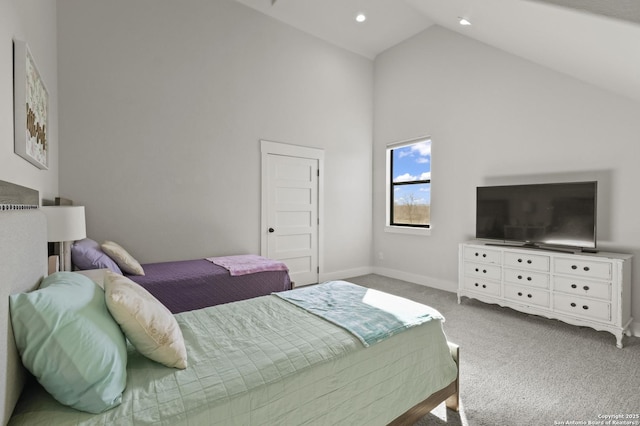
{"x":125,"y":261}
{"x":146,"y":322}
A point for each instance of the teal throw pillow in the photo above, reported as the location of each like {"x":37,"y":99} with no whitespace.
{"x":68,"y":340}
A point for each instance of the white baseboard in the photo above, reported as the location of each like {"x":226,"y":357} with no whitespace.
{"x":635,"y":328}
{"x":440,"y":284}
{"x":341,"y":275}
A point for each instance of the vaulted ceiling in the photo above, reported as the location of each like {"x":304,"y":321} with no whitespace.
{"x":593,"y":40}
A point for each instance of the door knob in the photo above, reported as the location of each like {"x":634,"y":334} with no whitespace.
{"x":272,"y":230}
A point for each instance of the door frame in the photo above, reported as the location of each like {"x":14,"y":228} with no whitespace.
{"x":278,"y":148}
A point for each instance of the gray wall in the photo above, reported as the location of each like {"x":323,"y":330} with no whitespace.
{"x":496,"y":118}
{"x":162,"y":108}
{"x":33,"y":21}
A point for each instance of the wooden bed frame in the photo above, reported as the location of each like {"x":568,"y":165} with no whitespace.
{"x":450,"y":395}
{"x":23,"y":254}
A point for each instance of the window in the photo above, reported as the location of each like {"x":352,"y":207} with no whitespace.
{"x":409,"y":182}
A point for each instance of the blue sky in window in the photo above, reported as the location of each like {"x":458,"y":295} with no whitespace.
{"x":412,"y":162}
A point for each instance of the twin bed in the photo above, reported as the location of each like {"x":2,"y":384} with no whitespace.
{"x":267,"y":360}
{"x":188,"y":285}
{"x":201,"y":283}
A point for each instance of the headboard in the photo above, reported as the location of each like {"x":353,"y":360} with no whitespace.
{"x":23,"y":263}
{"x":18,"y":197}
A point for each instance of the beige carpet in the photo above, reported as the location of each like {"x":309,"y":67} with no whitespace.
{"x":519,"y":369}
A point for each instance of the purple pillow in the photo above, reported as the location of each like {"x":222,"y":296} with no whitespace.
{"x":87,"y":254}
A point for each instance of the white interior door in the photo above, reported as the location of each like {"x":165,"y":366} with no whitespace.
{"x":291,"y":214}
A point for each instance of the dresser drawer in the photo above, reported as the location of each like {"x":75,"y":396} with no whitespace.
{"x":482,"y":286}
{"x":583,"y":268}
{"x":529,"y":261}
{"x":527,"y":278}
{"x":479,"y":270}
{"x":580,"y":287}
{"x":582,"y":307}
{"x":479,"y":254}
{"x":529,"y":296}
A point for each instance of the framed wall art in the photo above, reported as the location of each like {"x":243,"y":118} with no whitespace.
{"x":30,"y":108}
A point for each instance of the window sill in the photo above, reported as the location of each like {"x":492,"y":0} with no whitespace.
{"x":407,"y":230}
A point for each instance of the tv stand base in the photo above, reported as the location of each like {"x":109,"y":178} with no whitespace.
{"x":589,"y":250}
{"x":537,"y":247}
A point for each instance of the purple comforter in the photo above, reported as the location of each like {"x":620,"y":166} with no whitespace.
{"x":195,"y":284}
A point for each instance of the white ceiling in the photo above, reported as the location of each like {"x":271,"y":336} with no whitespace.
{"x":388,"y":21}
{"x":596,"y":41}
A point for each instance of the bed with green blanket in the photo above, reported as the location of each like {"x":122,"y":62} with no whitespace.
{"x":264,"y":361}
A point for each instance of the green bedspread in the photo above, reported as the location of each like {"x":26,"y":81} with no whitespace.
{"x":265,"y":361}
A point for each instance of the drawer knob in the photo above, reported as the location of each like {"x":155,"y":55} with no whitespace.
{"x":519,"y":293}
{"x":519,"y":260}
{"x":528,"y":278}
{"x":573,"y":305}
{"x":476,"y":284}
{"x":574,"y":286}
{"x":585,"y":307}
{"x":586,"y":288}
{"x":519,"y":277}
{"x":586,"y":268}
{"x":484,"y":271}
{"x":529,"y":261}
{"x":574,"y":267}
{"x":484,"y":254}
{"x":529,"y":296}
{"x":484,"y":286}
{"x":477,"y":254}
{"x":477,"y":270}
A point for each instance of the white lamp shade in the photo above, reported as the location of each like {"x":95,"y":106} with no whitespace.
{"x":65,"y":223}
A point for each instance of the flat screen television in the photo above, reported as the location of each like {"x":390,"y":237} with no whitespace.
{"x":551,"y":214}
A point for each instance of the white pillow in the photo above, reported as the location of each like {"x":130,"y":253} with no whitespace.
{"x":125,"y":261}
{"x":146,"y":322}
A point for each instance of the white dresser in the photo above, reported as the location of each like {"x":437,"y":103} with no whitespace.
{"x":592,"y":290}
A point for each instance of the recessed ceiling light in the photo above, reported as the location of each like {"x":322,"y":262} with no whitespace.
{"x":361,"y":17}
{"x":464,"y":21}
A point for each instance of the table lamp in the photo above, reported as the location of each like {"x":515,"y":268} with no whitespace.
{"x":65,"y":223}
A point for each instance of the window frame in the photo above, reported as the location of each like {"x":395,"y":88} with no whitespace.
{"x":400,"y":228}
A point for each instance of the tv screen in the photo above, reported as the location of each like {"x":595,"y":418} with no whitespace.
{"x":557,"y":214}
